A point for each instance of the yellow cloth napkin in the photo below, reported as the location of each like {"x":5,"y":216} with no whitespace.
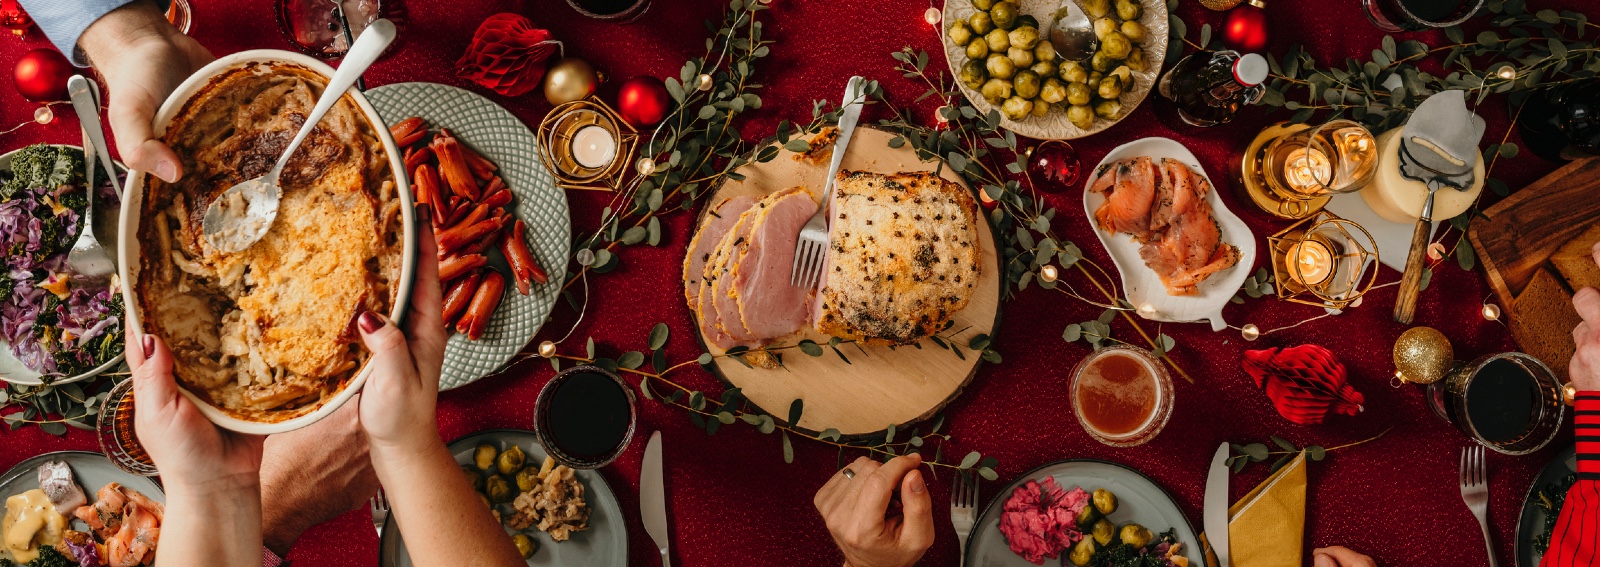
{"x":1267,"y":527}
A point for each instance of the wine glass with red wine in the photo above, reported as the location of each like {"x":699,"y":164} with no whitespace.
{"x":1416,"y":15}
{"x":619,"y":11}
{"x":584,"y":417}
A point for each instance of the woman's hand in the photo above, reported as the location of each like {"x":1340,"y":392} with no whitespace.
{"x":143,"y":59}
{"x":187,"y":448}
{"x":1339,"y":557}
{"x":397,"y":403}
{"x":856,"y":509}
{"x":1584,"y":370}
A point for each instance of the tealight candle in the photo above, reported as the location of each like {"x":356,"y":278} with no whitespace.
{"x":593,"y":147}
{"x":1313,"y":262}
{"x":1307,"y":169}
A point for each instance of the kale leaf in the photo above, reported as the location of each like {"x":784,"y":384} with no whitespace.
{"x":49,"y":557}
{"x":41,"y":165}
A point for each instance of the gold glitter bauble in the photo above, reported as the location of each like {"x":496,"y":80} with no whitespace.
{"x":547,"y":349}
{"x":568,"y":80}
{"x":1422,"y":355}
{"x":1220,"y":5}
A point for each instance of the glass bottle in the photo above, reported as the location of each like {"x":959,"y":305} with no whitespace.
{"x":1210,"y":87}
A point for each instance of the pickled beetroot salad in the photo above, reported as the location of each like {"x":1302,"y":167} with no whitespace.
{"x":56,"y":324}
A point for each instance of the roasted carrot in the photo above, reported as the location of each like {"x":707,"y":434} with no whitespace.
{"x":458,"y":210}
{"x":426,"y":185}
{"x":497,"y":199}
{"x":494,"y":184}
{"x":418,"y":156}
{"x":452,"y":267}
{"x":481,"y":167}
{"x":483,"y":304}
{"x":460,"y":294}
{"x":514,"y":246}
{"x":453,"y":167}
{"x":455,"y":237}
{"x":405,"y":128}
{"x":478,"y":213}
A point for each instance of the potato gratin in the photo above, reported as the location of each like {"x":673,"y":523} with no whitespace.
{"x":266,"y":334}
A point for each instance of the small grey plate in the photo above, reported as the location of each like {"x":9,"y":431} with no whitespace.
{"x":1531,"y":521}
{"x":91,"y":470}
{"x":604,"y":544}
{"x":1139,"y":499}
{"x":506,"y":141}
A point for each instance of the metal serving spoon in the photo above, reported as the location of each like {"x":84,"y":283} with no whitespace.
{"x":241,"y":215}
{"x":88,"y":258}
{"x":1072,"y":34}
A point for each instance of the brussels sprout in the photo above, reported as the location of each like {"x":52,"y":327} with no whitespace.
{"x":973,"y":75}
{"x":1026,"y":84}
{"x":1088,"y":515}
{"x":1053,"y":90}
{"x":484,"y":456}
{"x":1026,"y":20}
{"x":1073,"y":72}
{"x":510,"y":460}
{"x":1020,"y":57}
{"x":1040,"y":108}
{"x":1096,"y":8}
{"x":1004,"y":14}
{"x":1123,"y":75}
{"x":474,"y":477}
{"x":999,"y":41}
{"x":960,"y":32}
{"x":1094,"y":79}
{"x":1000,"y":66}
{"x":1115,"y":45}
{"x":1105,"y":501}
{"x":1081,"y":117}
{"x":1044,"y":69}
{"x":1083,"y":552}
{"x":498,"y":489}
{"x":1129,"y":10}
{"x":1101,"y":62}
{"x":1043,"y":52}
{"x":1024,"y":36}
{"x":1135,"y":60}
{"x":1103,"y":27}
{"x":1016,"y":108}
{"x":1136,"y":535}
{"x":527,"y":479}
{"x":1133,"y":30}
{"x":980,"y":23}
{"x":1108,"y":109}
{"x":1103,"y":532}
{"x":996,"y":91}
{"x":1109,"y":88}
{"x":525,"y":545}
{"x":984,"y":5}
{"x":978,"y":49}
{"x":1078,"y":94}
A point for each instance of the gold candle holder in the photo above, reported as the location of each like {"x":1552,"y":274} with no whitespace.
{"x":587,"y":145}
{"x":1291,"y":170}
{"x":1324,"y":260}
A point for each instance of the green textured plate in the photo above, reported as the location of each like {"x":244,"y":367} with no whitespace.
{"x":499,"y":136}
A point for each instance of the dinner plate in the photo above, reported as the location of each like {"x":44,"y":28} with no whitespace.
{"x":1055,"y":126}
{"x":604,"y":544}
{"x":1139,"y":500}
{"x":499,"y":136}
{"x":1531,"y":522}
{"x":1140,"y":284}
{"x":91,"y":470}
{"x":105,"y":223}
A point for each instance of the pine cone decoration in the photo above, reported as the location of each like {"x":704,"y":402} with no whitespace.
{"x":507,"y":55}
{"x":1305,"y":382}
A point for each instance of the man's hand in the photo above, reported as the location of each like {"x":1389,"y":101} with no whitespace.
{"x":856,"y":510}
{"x":143,"y":59}
{"x":1584,"y":370}
{"x":312,"y":475}
{"x":1339,"y":557}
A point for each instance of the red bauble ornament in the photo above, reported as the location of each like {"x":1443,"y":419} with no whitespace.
{"x":1305,"y":383}
{"x":643,"y":100}
{"x":507,"y":54}
{"x":41,"y":75}
{"x":1054,"y":166}
{"x":1245,"y":28}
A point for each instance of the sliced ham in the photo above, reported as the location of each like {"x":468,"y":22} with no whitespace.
{"x":723,"y":216}
{"x":716,"y":279}
{"x":768,"y":305}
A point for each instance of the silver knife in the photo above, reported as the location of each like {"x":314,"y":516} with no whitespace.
{"x":653,"y":497}
{"x":1216,"y":512}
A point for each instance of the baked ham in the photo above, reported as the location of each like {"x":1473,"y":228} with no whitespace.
{"x":1163,"y":206}
{"x":742,"y":294}
{"x":723,"y":217}
{"x":903,"y":257}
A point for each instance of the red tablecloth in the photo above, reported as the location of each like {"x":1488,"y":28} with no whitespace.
{"x":732,"y":498}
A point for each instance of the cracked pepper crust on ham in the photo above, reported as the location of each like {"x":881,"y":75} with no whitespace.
{"x":265,"y":334}
{"x":903,"y":257}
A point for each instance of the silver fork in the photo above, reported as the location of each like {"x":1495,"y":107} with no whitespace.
{"x":813,"y":243}
{"x":1475,"y":492}
{"x":380,"y":512}
{"x":963,"y":510}
{"x":88,"y":258}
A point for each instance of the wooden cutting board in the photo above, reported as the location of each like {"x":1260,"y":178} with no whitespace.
{"x":877,"y":386}
{"x":1523,"y":230}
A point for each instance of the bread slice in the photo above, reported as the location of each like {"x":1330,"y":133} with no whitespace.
{"x":1542,"y":321}
{"x":1575,"y":260}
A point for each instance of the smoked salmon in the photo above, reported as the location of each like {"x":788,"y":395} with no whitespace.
{"x":1163,"y":206}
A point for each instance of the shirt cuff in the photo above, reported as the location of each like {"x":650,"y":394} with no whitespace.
{"x":1586,"y":420}
{"x":64,"y":21}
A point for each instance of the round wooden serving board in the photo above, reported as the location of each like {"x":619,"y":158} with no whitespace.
{"x":879,"y":386}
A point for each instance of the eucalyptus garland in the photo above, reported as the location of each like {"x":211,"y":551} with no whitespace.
{"x":1243,"y":455}
{"x":55,"y":407}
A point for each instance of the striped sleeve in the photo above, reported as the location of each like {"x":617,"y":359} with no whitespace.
{"x":1575,"y":540}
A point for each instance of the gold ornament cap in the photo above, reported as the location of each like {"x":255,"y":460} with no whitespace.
{"x":1422,"y":355}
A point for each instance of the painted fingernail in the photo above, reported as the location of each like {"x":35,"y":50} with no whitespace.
{"x":149,"y":343}
{"x":370,"y":322}
{"x":167,"y":171}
